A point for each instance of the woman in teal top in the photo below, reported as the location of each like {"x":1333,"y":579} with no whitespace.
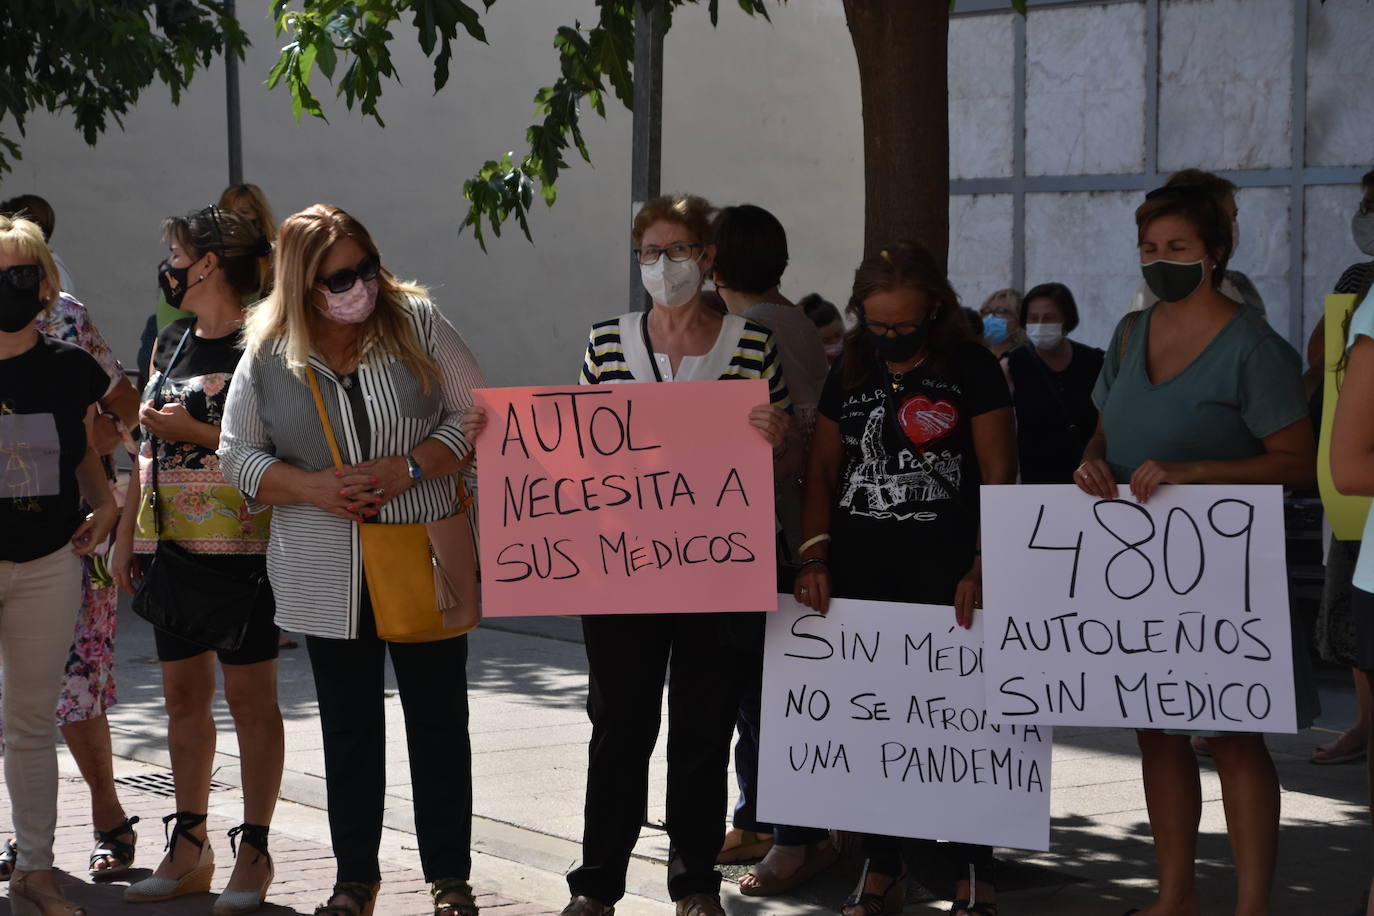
{"x":1198,"y":389}
{"x":1352,"y":470}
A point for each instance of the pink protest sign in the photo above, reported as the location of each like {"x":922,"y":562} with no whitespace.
{"x":625,"y":499}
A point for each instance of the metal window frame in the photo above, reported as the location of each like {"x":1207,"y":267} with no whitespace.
{"x":1297,"y":176}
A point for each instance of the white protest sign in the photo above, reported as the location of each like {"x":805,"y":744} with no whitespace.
{"x":1170,"y":614}
{"x":873,"y":721}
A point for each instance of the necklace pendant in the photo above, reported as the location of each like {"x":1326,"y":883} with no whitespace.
{"x":897,"y":380}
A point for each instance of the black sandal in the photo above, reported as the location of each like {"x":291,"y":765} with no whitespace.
{"x":445,"y":886}
{"x":9,"y":854}
{"x":108,"y":845}
{"x":889,"y":901}
{"x":364,"y":895}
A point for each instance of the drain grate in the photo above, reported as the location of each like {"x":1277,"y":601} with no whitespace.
{"x":159,"y":784}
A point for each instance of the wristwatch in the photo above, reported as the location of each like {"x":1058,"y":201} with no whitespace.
{"x":414,"y":466}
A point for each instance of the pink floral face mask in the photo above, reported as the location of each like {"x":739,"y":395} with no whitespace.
{"x":353,"y":305}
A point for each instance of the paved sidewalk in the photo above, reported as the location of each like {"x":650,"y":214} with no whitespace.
{"x":299,"y":842}
{"x":527,"y":682}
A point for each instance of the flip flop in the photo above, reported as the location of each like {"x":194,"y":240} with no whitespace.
{"x":1336,"y":759}
{"x":751,"y":845}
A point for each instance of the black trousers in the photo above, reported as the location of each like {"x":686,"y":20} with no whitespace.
{"x":628,"y":657}
{"x":432,"y":679}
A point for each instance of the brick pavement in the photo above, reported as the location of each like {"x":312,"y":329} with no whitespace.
{"x":305,"y":865}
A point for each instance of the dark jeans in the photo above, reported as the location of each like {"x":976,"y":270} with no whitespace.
{"x":885,"y":856}
{"x":628,"y":657}
{"x":432,"y":678}
{"x":749,"y":676}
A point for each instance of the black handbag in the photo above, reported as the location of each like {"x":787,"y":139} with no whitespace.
{"x":184,"y":596}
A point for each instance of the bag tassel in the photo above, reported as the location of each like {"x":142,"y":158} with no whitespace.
{"x":444,"y":594}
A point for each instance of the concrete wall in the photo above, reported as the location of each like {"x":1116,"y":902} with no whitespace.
{"x":759,"y":112}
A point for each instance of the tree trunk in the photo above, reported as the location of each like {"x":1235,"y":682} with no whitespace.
{"x":902,"y":49}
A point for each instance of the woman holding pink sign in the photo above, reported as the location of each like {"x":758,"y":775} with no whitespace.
{"x":914,"y":418}
{"x":680,"y":339}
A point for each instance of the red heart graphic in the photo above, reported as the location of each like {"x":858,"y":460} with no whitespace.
{"x":924,"y":420}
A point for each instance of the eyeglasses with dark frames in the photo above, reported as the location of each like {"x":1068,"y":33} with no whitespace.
{"x":882,"y":328}
{"x":677,"y":251}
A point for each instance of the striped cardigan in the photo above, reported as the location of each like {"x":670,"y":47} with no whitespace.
{"x":313,"y":559}
{"x":744,"y":350}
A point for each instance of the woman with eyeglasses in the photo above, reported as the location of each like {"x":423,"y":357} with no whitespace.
{"x":394,"y":379}
{"x":914,"y":418}
{"x":1002,"y":330}
{"x":48,"y":394}
{"x":680,"y":338}
{"x":180,"y":495}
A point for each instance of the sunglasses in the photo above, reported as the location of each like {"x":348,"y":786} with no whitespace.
{"x":22,"y":276}
{"x":341,"y":281}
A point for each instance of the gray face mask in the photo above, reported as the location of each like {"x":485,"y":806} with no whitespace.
{"x":1362,"y":227}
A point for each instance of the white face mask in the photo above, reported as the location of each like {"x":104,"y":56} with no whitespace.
{"x":671,"y":283}
{"x":1045,"y":336}
{"x":1362,"y":227}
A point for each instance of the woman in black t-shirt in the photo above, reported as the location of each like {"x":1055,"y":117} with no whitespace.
{"x":48,"y":392}
{"x":913,"y":420}
{"x":1052,"y":381}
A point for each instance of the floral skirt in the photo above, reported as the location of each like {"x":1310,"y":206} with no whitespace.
{"x":88,"y":689}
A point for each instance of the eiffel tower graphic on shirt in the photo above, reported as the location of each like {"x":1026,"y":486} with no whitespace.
{"x":872,"y":492}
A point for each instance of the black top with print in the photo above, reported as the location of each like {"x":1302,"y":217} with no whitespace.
{"x":44,"y":395}
{"x":905,"y":519}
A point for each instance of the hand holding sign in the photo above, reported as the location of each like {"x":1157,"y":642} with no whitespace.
{"x":876,"y":712}
{"x":1171,"y":614}
{"x":619,"y":499}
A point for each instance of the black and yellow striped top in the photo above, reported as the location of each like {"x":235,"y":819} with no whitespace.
{"x":743,"y":350}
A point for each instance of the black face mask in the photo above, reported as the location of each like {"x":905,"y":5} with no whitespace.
{"x":1173,"y":280}
{"x":172,"y":281}
{"x":18,"y":306}
{"x":902,"y":347}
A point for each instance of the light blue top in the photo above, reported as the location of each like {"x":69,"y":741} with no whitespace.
{"x":1362,"y":322}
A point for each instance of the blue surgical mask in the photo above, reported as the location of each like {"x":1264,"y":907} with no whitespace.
{"x":995,"y":329}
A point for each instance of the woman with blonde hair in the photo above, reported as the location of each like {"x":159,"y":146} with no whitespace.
{"x":1002,"y":331}
{"x":248,"y":201}
{"x":181,"y":498}
{"x":393,"y":379}
{"x":49,"y":390}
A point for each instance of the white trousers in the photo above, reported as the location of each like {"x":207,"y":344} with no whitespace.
{"x":38,"y":604}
